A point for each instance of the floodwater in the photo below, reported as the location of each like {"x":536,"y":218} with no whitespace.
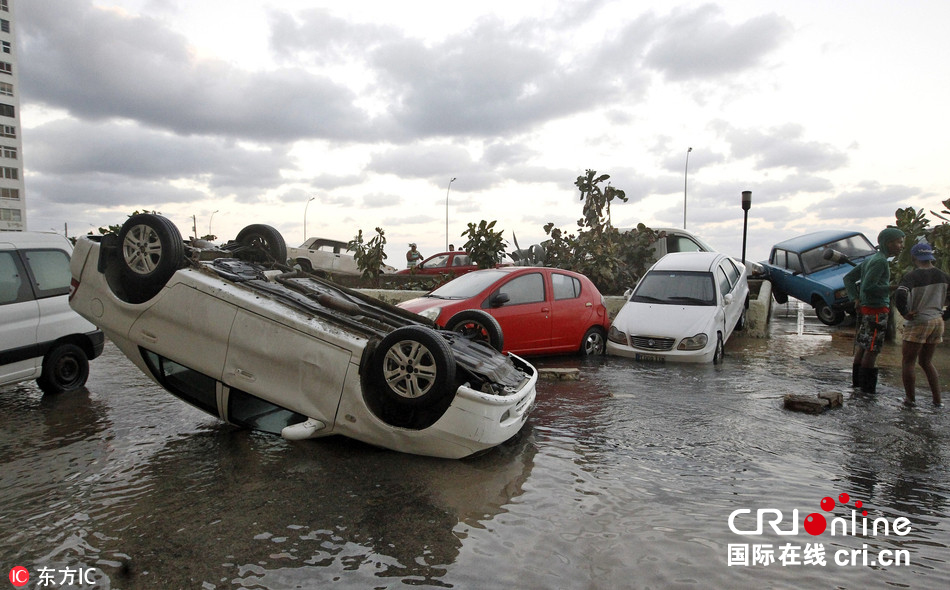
{"x":625,"y":479}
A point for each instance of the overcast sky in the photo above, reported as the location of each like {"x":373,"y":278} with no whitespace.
{"x":833,"y":114}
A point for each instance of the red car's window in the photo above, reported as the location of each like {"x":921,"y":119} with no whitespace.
{"x":565,"y":287}
{"x":524,"y":289}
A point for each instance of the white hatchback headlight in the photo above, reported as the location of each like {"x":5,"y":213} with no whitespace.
{"x":697,"y":342}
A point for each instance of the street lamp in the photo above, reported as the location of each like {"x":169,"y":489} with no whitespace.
{"x":305,"y":218}
{"x":685,"y":174}
{"x":447,"y":214}
{"x":210,"y":220}
{"x":746,"y":205}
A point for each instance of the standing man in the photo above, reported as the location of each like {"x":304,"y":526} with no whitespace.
{"x":868,"y":285}
{"x":920,"y":298}
{"x":413,"y":256}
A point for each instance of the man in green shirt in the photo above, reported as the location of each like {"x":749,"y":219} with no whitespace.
{"x":869,"y":286}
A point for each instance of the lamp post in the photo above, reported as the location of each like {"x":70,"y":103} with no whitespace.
{"x":746,"y":205}
{"x":447,"y":214}
{"x":685,"y":175}
{"x":305,"y":218}
{"x":210,"y":220}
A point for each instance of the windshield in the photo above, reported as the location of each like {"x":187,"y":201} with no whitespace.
{"x":856,"y":246}
{"x":467,"y":285}
{"x":672,"y":287}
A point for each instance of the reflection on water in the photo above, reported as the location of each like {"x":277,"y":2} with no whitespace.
{"x":623,"y":479}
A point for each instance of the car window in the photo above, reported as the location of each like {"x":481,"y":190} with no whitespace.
{"x":524,"y":289}
{"x":676,"y":288}
{"x":681,"y":244}
{"x":724,"y":285}
{"x":565,"y":287}
{"x":794,"y":264}
{"x":731,"y":270}
{"x":461,"y":260}
{"x":779,"y":258}
{"x":437,"y":261}
{"x":187,"y":384}
{"x":468,"y":285}
{"x":252,"y":412}
{"x":50,"y":270}
{"x":12,"y":286}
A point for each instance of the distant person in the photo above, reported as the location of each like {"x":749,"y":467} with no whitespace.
{"x":868,"y":285}
{"x":413,"y":256}
{"x":451,"y":247}
{"x":920,"y":298}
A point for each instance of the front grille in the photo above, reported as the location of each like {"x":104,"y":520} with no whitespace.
{"x":651,"y":343}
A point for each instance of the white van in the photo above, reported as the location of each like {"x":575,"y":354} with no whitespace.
{"x":40,"y":336}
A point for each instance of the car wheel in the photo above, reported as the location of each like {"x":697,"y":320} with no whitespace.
{"x":268,"y":245}
{"x":780,"y":298}
{"x":151,"y":251}
{"x":594,"y":342}
{"x":414,"y":366}
{"x":717,"y":356}
{"x":476,"y":324}
{"x":827,"y":315}
{"x":65,"y":368}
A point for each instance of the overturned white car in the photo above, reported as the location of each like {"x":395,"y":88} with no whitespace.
{"x":289,"y":353}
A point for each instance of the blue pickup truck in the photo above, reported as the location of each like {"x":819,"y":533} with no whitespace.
{"x":799,"y":268}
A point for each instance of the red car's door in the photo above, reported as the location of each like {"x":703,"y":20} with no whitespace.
{"x":571,"y":308}
{"x":525,"y":318}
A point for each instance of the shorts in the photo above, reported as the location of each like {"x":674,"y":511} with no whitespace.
{"x":872,"y":331}
{"x":929,"y":332}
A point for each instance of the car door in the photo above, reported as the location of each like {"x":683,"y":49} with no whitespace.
{"x":19,"y":318}
{"x":571,"y":311}
{"x":732,"y":309}
{"x":525,"y":318}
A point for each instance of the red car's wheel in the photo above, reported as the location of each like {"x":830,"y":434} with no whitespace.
{"x":477,"y":325}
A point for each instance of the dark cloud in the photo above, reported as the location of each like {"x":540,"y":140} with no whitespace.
{"x":699,"y":44}
{"x":781,"y":147}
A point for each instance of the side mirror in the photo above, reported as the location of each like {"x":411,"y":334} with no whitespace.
{"x":499,"y":299}
{"x":727,"y":299}
{"x":627,"y":293}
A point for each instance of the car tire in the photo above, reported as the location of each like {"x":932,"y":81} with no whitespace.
{"x":150,"y":251}
{"x":780,"y":298}
{"x":594,"y":342}
{"x":719,"y":353}
{"x":828,"y":315}
{"x":65,"y":368}
{"x":269,"y":245}
{"x":476,"y":324}
{"x":740,"y":323}
{"x":414,"y":366}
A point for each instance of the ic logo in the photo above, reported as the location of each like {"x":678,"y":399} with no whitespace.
{"x":19,"y":576}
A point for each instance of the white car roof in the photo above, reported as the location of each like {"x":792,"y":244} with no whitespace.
{"x":10,"y":240}
{"x":695,"y":261}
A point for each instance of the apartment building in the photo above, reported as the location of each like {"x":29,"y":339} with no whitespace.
{"x":12,"y":198}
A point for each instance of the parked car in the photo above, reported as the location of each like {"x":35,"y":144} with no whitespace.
{"x":799,"y":268}
{"x":684,"y":308}
{"x":40,"y":336}
{"x":290,"y":353}
{"x":455,"y":262}
{"x":527,"y":310}
{"x":328,"y":255}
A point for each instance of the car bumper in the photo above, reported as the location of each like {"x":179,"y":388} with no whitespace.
{"x":678,"y":356}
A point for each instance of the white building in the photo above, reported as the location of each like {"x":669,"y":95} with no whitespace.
{"x":12,"y":198}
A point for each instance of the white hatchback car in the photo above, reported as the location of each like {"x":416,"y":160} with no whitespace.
{"x":683,"y":309}
{"x":288,"y":353}
{"x":40,"y":337}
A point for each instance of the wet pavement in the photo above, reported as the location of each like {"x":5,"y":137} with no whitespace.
{"x":625,"y":479}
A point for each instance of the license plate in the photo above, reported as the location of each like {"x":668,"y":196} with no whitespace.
{"x":650,"y":357}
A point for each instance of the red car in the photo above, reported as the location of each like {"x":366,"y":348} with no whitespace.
{"x":524,"y":310}
{"x":454,"y":262}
